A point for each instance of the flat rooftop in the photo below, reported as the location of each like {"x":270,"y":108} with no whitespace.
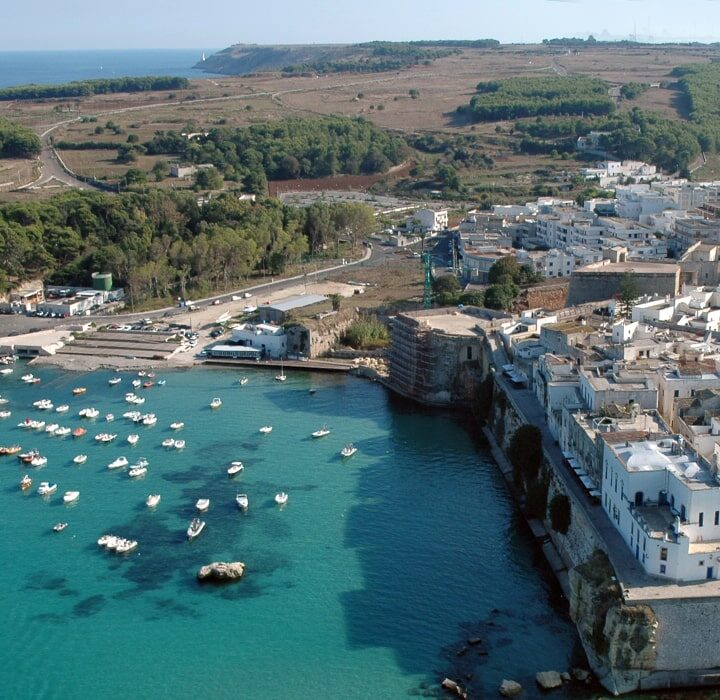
{"x":456,"y":323}
{"x":296,"y":302}
{"x":636,"y":268}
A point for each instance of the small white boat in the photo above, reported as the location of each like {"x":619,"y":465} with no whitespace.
{"x":114,"y":381}
{"x":216,"y":403}
{"x":126,"y":546}
{"x":112,"y":542}
{"x":51,"y":428}
{"x":242,"y":501}
{"x":139,"y":400}
{"x":46,"y":488}
{"x":63,"y":432}
{"x":136,"y":471}
{"x":105,"y":437}
{"x":80,"y":459}
{"x":161,"y":382}
{"x":243,"y":381}
{"x":281,"y":498}
{"x":152,"y":500}
{"x":133,"y":439}
{"x":27,"y":378}
{"x":322,"y":432}
{"x":280,"y":377}
{"x":92,"y":413}
{"x":103,"y":540}
{"x":177,"y":426}
{"x":142,"y":373}
{"x":42,"y":404}
{"x":348,"y":451}
{"x":136,"y":383}
{"x":149,"y":419}
{"x":235,"y":468}
{"x":142,"y":462}
{"x":38,"y":424}
{"x":25,"y":482}
{"x":6,"y":370}
{"x":63,"y":408}
{"x":130,"y":397}
{"x":118,"y":463}
{"x":195,"y":528}
{"x":109,"y":417}
{"x":202,"y":504}
{"x":5,"y":414}
{"x":132,"y":415}
{"x":59,"y":527}
{"x":71,"y":496}
{"x":266,"y":429}
{"x":38,"y":461}
{"x":179,"y":444}
{"x":168,"y":442}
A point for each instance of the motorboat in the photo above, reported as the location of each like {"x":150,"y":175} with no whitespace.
{"x":118,"y":463}
{"x":168,"y":442}
{"x":195,"y":528}
{"x":243,"y":381}
{"x":142,"y":462}
{"x":281,"y":498}
{"x":202,"y":504}
{"x":147,"y":385}
{"x":71,"y":496}
{"x":63,"y":408}
{"x":152,"y":500}
{"x":321,"y":432}
{"x":5,"y":414}
{"x":104,"y":539}
{"x":105,"y":437}
{"x":114,"y":381}
{"x":12,"y":450}
{"x":38,"y":424}
{"x":242,"y":501}
{"x":348,"y":451}
{"x":133,"y":439}
{"x":235,"y":468}
{"x":136,"y":383}
{"x":51,"y":428}
{"x":27,"y":378}
{"x":177,"y":426}
{"x":266,"y":429}
{"x":79,"y":390}
{"x":130,"y":397}
{"x":38,"y":461}
{"x":46,"y":488}
{"x":25,"y":483}
{"x":6,"y":370}
{"x":132,"y":415}
{"x":79,"y":432}
{"x":89,"y":413}
{"x":139,"y":400}
{"x":179,"y":444}
{"x":126,"y":546}
{"x":62,"y":432}
{"x":136,"y":471}
{"x":142,"y":373}
{"x":59,"y":527}
{"x":112,"y":542}
{"x":161,"y":382}
{"x":80,"y":459}
{"x":216,"y":403}
{"x":28,"y":457}
{"x":149,"y":419}
{"x":109,"y":417}
{"x":42,"y":404}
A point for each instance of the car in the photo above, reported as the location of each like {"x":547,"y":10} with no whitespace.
{"x":247,"y":295}
{"x":216,"y":302}
{"x":216,"y":333}
{"x":236,"y":297}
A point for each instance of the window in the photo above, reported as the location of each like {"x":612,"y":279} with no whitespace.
{"x":469,"y":352}
{"x":677,"y":393}
{"x":717,"y":517}
{"x":663,"y":553}
{"x":662,"y":568}
{"x":701,"y":519}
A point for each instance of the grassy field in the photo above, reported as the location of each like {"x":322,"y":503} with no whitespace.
{"x":382,"y":98}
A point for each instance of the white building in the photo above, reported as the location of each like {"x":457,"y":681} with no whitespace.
{"x":665,"y":502}
{"x":429,"y":220}
{"x":269,"y":339}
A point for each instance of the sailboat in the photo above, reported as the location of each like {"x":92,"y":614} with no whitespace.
{"x":203,"y":55}
{"x":280,"y":377}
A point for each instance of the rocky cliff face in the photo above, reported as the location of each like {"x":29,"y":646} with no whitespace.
{"x":619,"y":639}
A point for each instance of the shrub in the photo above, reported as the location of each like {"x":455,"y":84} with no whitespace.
{"x":366,"y":334}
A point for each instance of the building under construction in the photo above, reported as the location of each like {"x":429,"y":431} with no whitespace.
{"x":440,"y":356}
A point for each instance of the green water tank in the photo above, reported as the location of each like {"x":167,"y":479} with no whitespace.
{"x":102,"y":281}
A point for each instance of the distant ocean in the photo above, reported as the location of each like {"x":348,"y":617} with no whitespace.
{"x":22,"y":67}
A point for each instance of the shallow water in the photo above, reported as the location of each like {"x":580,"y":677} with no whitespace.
{"x":364,"y":586}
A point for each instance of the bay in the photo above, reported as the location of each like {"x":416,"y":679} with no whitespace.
{"x":366,"y":585}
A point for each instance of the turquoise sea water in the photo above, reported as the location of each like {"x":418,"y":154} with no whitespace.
{"x":366,"y":585}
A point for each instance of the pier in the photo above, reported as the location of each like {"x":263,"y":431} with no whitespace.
{"x":302,"y":365}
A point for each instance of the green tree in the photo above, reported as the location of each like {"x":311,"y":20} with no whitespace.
{"x":336,"y":300}
{"x":525,"y":452}
{"x":207,"y":179}
{"x":500,"y":296}
{"x":628,"y":294}
{"x":160,"y":170}
{"x":446,"y":283}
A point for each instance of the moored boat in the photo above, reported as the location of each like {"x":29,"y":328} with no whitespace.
{"x":242,"y":501}
{"x":71,"y":496}
{"x":136,"y":383}
{"x":177,"y":425}
{"x":179,"y":444}
{"x":266,"y":429}
{"x":281,"y":498}
{"x":235,"y":468}
{"x":195,"y":528}
{"x":5,"y":414}
{"x":109,"y":417}
{"x":59,"y":527}
{"x":51,"y":428}
{"x":118,"y":463}
{"x":38,"y":461}
{"x":152,"y":500}
{"x":137,"y":471}
{"x":46,"y":488}
{"x":321,"y":432}
{"x":25,"y":483}
{"x":62,"y":432}
{"x":114,"y":381}
{"x":202,"y":504}
{"x":149,"y":419}
{"x":63,"y":408}
{"x":168,"y":442}
{"x":79,"y":432}
{"x":243,"y":381}
{"x":126,"y":546}
{"x":216,"y":403}
{"x":348,"y":451}
{"x":11,"y":450}
{"x":147,"y":385}
{"x":79,"y":390}
{"x":133,"y":438}
{"x":80,"y":459}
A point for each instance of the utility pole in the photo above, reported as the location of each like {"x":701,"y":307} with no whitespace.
{"x":427,"y":289}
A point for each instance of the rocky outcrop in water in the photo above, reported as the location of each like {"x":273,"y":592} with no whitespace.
{"x":509,"y":689}
{"x":619,"y":639}
{"x":548,"y":680}
{"x":221,"y":571}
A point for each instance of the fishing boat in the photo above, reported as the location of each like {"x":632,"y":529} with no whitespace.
{"x":216,"y":403}
{"x":136,"y":471}
{"x":114,"y":381}
{"x":242,"y":501}
{"x":281,"y":498}
{"x":321,"y":432}
{"x":202,"y":504}
{"x":109,"y":417}
{"x":179,"y":444}
{"x":59,"y":527}
{"x":126,"y":546}
{"x":63,"y":408}
{"x":71,"y":496}
{"x":79,"y":432}
{"x":118,"y":463}
{"x":195,"y":528}
{"x":46,"y":488}
{"x":235,"y":468}
{"x":168,"y":442}
{"x":25,"y":483}
{"x":5,"y":414}
{"x":38,"y":461}
{"x":152,"y":500}
{"x":79,"y":390}
{"x":62,"y":432}
{"x":133,"y":439}
{"x":243,"y":381}
{"x":80,"y":459}
{"x":177,"y":426}
{"x":348,"y":451}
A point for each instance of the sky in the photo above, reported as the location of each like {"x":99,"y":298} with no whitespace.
{"x":88,"y":24}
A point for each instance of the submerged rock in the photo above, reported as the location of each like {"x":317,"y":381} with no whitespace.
{"x":509,"y":689}
{"x":548,"y":680}
{"x":454,"y":687}
{"x":222,"y":571}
